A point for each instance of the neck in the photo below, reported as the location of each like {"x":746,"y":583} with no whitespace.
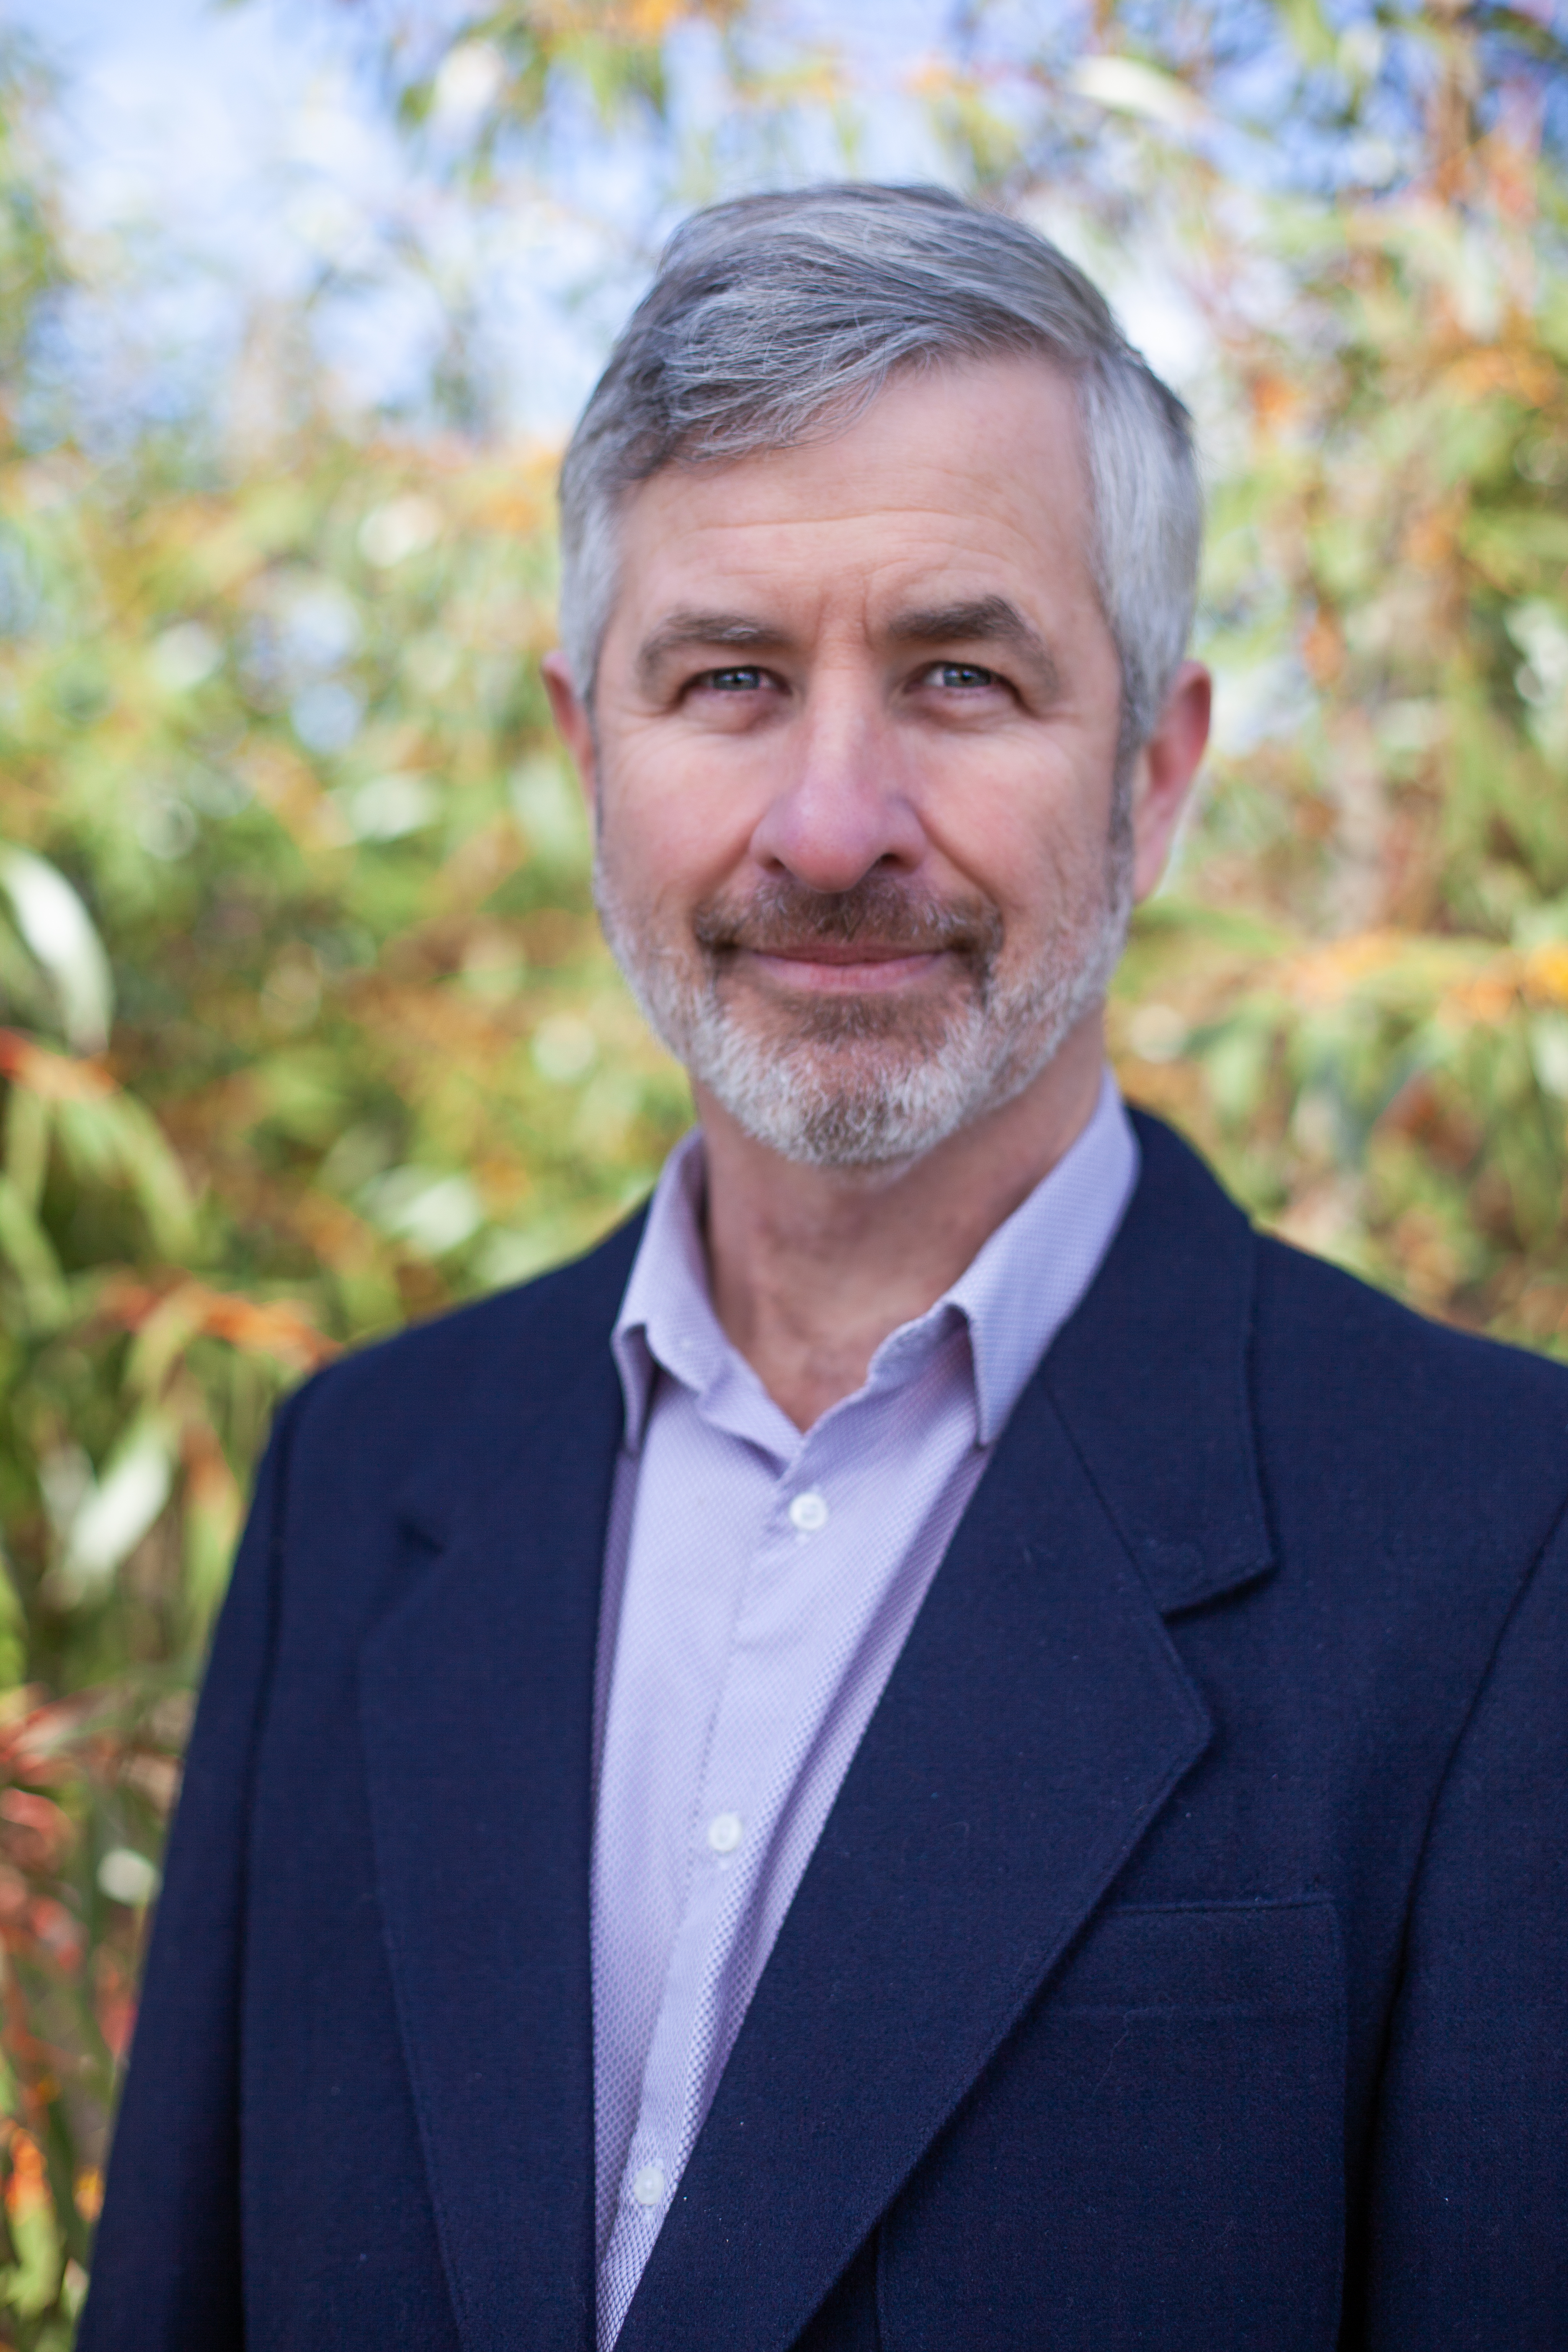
{"x":812,"y":1267}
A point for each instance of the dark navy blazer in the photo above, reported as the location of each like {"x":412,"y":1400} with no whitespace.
{"x":1184,"y":1964}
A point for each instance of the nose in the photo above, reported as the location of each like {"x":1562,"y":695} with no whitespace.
{"x":841,"y":806}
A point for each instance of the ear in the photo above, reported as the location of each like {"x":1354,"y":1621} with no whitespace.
{"x":571,"y":715}
{"x":1164,"y":772}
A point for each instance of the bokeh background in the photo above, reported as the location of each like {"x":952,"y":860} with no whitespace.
{"x":305,"y":1027}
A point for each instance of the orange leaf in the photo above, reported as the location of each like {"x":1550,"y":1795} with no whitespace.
{"x":58,"y":1078}
{"x":262,"y":1327}
{"x":1546,"y":973}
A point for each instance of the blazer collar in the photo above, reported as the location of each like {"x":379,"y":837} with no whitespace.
{"x":1150,"y":1376}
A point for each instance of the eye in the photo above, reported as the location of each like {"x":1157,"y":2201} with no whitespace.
{"x":743,"y":679}
{"x":961,"y":676}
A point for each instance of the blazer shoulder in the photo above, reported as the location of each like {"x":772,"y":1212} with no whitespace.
{"x":1359,"y":1387}
{"x":1307,"y":1303}
{"x":1316,"y":1318}
{"x":517,"y":1351}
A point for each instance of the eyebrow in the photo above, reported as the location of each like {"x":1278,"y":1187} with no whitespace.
{"x":981,"y":620}
{"x":984,"y":620}
{"x":735,"y":631}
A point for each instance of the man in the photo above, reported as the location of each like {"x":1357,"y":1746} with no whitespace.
{"x":937,"y":1746}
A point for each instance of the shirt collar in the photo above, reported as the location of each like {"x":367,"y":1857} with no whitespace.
{"x":666,"y":1315}
{"x":1013,"y":1295}
{"x":1024,"y":1283}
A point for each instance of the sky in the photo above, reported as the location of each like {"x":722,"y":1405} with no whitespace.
{"x":241,"y":150}
{"x":176,"y":110}
{"x":231,"y":150}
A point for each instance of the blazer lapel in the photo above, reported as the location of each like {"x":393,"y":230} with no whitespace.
{"x":1034,"y":1726}
{"x":1150,"y":1377}
{"x":477,"y":1712}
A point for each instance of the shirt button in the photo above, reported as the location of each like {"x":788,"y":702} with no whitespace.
{"x":724,"y":1833}
{"x":808,"y":1512}
{"x":647,"y":2184}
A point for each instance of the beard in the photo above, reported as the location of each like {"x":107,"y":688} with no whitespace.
{"x":870,"y":1081}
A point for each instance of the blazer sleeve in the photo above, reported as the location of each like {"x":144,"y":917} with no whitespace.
{"x":166,"y":2266}
{"x":1469,"y":2215}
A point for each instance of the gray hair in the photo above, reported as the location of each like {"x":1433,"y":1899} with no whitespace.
{"x":778,"y":318}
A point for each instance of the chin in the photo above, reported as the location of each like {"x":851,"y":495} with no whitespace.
{"x":853,"y":1106}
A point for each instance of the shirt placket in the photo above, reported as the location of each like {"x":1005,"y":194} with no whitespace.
{"x":745,"y":1782}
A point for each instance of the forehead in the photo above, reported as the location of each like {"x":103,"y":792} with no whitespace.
{"x":972,"y":477}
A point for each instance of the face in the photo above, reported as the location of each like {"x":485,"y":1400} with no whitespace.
{"x":854,"y":763}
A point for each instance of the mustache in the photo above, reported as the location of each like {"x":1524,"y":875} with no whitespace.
{"x":783,"y":916}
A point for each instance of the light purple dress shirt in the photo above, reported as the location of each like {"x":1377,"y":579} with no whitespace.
{"x":759,"y":1585}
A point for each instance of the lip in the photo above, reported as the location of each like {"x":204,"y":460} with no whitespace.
{"x":844,"y":970}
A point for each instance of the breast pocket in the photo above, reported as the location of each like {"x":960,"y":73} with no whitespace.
{"x":1154,"y":2159}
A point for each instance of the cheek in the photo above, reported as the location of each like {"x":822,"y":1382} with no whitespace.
{"x":1033,"y":837}
{"x":672,"y":836}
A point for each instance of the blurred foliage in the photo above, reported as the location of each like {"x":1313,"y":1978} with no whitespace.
{"x":271,"y":730}
{"x":306,"y":1028}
